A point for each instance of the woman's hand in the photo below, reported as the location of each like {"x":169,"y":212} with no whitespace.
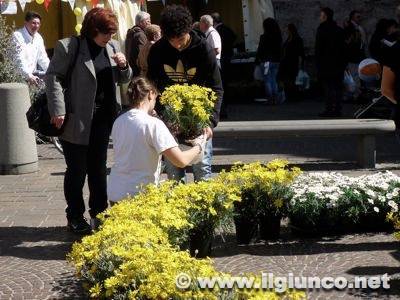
{"x":120,"y":60}
{"x":58,"y":121}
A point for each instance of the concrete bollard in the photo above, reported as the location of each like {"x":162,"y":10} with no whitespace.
{"x":18,"y":151}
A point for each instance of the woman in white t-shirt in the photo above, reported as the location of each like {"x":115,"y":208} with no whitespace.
{"x":139,"y":140}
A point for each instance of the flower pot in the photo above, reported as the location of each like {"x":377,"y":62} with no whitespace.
{"x":200,"y":242}
{"x":246,"y":229}
{"x":270,"y":227}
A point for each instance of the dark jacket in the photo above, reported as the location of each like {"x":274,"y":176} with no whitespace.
{"x":269,"y":49}
{"x":354,"y":48}
{"x":330,"y":51}
{"x":228,"y":38}
{"x":194,"y":65}
{"x":135,"y":38}
{"x":293,"y":50}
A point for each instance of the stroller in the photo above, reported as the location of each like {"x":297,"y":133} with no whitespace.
{"x":378,"y":107}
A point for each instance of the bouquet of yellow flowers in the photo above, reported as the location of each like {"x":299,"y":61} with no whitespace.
{"x":187,"y":109}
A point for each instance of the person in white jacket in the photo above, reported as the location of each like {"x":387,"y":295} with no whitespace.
{"x":33,"y":59}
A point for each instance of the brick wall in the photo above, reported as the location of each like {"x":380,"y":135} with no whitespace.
{"x":305,"y":14}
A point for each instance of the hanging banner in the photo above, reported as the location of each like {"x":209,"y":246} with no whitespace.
{"x":23,"y":3}
{"x":46,"y":4}
{"x":72,"y":3}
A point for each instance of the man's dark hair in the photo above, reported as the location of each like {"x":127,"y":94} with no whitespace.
{"x":328,"y":13}
{"x":30,"y":15}
{"x":216,"y":17}
{"x":175,"y":21}
{"x":352,"y":14}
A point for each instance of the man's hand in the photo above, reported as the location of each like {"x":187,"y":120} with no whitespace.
{"x":120,"y":60}
{"x":58,"y":121}
{"x":34,"y":80}
{"x":208,"y":132}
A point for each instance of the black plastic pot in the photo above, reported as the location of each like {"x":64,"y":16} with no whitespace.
{"x":270,"y":227}
{"x":200,"y":242}
{"x":246,"y":230}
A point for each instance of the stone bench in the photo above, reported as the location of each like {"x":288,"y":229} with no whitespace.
{"x":365,"y":130}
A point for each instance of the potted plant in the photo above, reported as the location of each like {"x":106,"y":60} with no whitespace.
{"x":265,"y":196}
{"x":273,"y":205}
{"x":187,"y":110}
{"x":211,"y":206}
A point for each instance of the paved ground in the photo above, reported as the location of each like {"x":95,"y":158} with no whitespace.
{"x":33,"y":239}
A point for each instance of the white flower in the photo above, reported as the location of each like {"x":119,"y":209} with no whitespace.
{"x":371,"y":201}
{"x":376,"y":209}
{"x":393,"y":205}
{"x":370,"y":193}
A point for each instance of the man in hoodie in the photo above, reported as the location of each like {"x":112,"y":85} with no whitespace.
{"x":331,"y":62}
{"x":135,"y":39}
{"x":181,"y":56}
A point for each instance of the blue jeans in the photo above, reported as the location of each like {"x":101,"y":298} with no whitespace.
{"x":271,"y":80}
{"x":201,"y":171}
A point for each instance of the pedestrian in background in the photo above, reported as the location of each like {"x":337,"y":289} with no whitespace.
{"x":153,"y":34}
{"x":88,"y":105}
{"x":269,"y":55}
{"x":136,"y":38}
{"x":356,"y":48}
{"x":212,"y":36}
{"x":228,"y":38}
{"x":381,"y":39}
{"x":331,"y":62}
{"x":32,"y":55}
{"x":292,"y":61}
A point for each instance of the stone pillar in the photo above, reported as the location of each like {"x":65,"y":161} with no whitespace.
{"x":18,"y":151}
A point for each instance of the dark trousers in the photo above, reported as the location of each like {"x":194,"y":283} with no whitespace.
{"x":90,"y":160}
{"x":333,"y":93}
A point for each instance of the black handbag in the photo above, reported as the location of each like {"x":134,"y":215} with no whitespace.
{"x":38,"y":115}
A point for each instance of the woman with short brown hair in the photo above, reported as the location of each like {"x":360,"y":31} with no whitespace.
{"x":88,"y":105}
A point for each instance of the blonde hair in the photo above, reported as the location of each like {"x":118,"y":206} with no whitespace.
{"x":152,"y":31}
{"x":138,"y":90}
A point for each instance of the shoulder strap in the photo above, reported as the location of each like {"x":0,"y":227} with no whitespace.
{"x":210,"y":33}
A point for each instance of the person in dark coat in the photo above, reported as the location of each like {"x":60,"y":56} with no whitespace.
{"x":228,"y":38}
{"x":331,"y":62}
{"x":269,"y":55}
{"x":293,"y":58}
{"x":135,"y":39}
{"x":382,"y":39}
{"x":181,"y":56}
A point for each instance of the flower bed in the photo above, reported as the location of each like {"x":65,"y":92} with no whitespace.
{"x":146,"y":241}
{"x":136,"y":253}
{"x":332,"y":202}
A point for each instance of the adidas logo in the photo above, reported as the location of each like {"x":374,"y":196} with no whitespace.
{"x":179,"y":74}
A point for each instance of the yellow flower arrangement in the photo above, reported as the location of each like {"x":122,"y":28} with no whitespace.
{"x":268,"y":185}
{"x":188,"y":109}
{"x":136,"y":254}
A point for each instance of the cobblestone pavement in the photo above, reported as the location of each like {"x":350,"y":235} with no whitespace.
{"x":34,"y":241}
